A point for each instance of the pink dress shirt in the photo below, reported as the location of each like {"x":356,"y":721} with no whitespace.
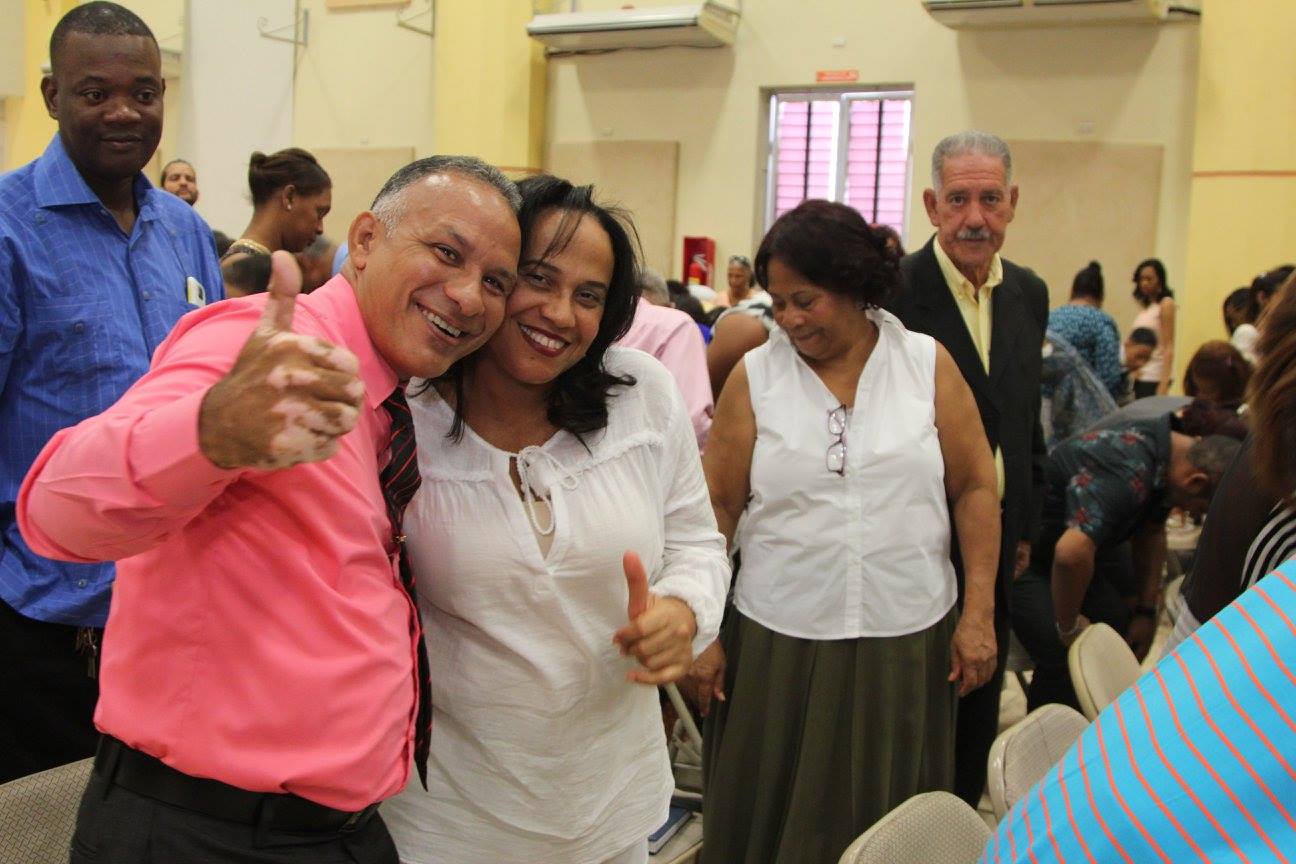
{"x":673,"y":338}
{"x":258,"y":632}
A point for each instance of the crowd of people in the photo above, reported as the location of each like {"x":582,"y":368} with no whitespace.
{"x":293,"y":529}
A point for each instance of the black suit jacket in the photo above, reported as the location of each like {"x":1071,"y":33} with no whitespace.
{"x":1008,"y":397}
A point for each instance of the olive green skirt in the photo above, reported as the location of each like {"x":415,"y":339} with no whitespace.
{"x":821,"y":738}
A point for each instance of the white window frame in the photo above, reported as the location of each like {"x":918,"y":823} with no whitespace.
{"x":841,"y":140}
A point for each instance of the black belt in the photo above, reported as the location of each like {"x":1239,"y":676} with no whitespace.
{"x":269,"y":811}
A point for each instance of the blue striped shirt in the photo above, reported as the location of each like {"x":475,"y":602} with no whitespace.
{"x":82,"y":307}
{"x":1196,"y":762}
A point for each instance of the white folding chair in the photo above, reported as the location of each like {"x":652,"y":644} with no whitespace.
{"x":931,"y":828}
{"x":1102,"y":667}
{"x":1023,"y":754}
{"x":38,"y":814}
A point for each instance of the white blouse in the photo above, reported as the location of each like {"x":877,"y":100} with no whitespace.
{"x":541,"y":750}
{"x":864,"y":553}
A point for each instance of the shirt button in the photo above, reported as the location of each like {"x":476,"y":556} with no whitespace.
{"x":78,"y":327}
{"x":81,"y":583}
{"x":147,"y":296}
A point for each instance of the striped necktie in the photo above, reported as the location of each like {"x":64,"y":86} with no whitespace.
{"x":400,"y":480}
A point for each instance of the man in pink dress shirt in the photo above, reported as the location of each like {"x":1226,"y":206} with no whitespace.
{"x":258,"y":686}
{"x":671,"y":336}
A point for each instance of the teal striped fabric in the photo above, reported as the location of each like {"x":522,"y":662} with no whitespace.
{"x":1196,"y":762}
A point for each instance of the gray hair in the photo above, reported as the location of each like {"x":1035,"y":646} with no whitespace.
{"x":653,"y":287}
{"x":389,"y":204}
{"x":1213,"y":455}
{"x":971,"y":141}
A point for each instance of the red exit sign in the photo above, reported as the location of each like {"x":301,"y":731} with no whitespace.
{"x":836,"y":76}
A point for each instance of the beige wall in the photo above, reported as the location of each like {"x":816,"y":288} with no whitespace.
{"x":363,"y":81}
{"x":1242,"y":220}
{"x":363,"y":84}
{"x":1133,"y":84}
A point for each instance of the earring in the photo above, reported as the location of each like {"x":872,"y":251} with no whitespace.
{"x":287,"y":206}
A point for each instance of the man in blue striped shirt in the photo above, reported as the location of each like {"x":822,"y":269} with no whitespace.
{"x":1193,"y":763}
{"x":96,"y":266}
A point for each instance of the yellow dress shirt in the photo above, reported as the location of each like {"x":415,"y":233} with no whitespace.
{"x":974,"y":305}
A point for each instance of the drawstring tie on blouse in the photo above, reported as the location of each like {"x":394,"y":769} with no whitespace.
{"x":536,"y":470}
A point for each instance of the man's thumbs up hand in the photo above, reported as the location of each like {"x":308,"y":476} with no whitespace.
{"x":289,"y":398}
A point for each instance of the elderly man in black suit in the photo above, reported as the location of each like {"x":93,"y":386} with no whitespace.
{"x":990,"y":314}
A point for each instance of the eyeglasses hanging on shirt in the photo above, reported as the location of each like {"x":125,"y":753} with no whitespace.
{"x":836,"y":456}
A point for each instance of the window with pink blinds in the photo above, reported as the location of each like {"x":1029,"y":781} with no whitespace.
{"x":847,"y":147}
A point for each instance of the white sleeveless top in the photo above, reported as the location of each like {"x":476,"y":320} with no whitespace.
{"x":826,"y":556}
{"x":1150,"y":317}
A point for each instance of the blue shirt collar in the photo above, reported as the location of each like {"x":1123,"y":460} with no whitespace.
{"x":59,"y":183}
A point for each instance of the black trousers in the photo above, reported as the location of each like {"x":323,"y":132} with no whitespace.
{"x":1106,"y":601}
{"x":1144,"y":389}
{"x":977,"y":723}
{"x":47,"y":697}
{"x":117,"y":826}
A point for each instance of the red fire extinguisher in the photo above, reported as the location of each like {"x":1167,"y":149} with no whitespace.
{"x":697,"y":270}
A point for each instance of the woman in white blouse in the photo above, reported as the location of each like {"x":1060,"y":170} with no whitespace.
{"x":547,"y":459}
{"x":842,"y":438}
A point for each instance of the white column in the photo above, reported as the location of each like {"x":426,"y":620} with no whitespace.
{"x":237,"y":89}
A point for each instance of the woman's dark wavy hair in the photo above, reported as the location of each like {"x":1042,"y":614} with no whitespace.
{"x":1239,"y":300}
{"x":1089,"y":283}
{"x":578,"y":398}
{"x":1272,"y":398}
{"x":833,"y":247}
{"x":1264,"y":286}
{"x":293,"y":166}
{"x":1220,"y":370}
{"x":1159,"y":269}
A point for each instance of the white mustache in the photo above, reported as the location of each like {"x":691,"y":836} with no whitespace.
{"x":972,"y":234}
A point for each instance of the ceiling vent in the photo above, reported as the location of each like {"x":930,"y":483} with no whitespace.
{"x":968,"y":14}
{"x":693,"y":25}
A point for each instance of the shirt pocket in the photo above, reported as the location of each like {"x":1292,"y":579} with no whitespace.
{"x":81,"y":352}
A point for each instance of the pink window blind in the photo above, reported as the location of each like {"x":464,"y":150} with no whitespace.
{"x":844,"y":148}
{"x":807,"y":152}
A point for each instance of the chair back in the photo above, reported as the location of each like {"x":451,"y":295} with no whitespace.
{"x":1024,"y":753}
{"x":38,"y":814}
{"x":1102,"y":667}
{"x":932,"y":828}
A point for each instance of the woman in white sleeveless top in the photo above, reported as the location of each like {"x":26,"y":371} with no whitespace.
{"x":545,"y":459}
{"x":1157,"y":315}
{"x":842,"y":438}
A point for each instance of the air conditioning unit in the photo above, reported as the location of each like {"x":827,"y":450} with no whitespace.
{"x":969,"y":14}
{"x":695,"y":25}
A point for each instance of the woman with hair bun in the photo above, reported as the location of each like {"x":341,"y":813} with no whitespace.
{"x":830,"y":695}
{"x":291,"y":195}
{"x":1088,"y":329}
